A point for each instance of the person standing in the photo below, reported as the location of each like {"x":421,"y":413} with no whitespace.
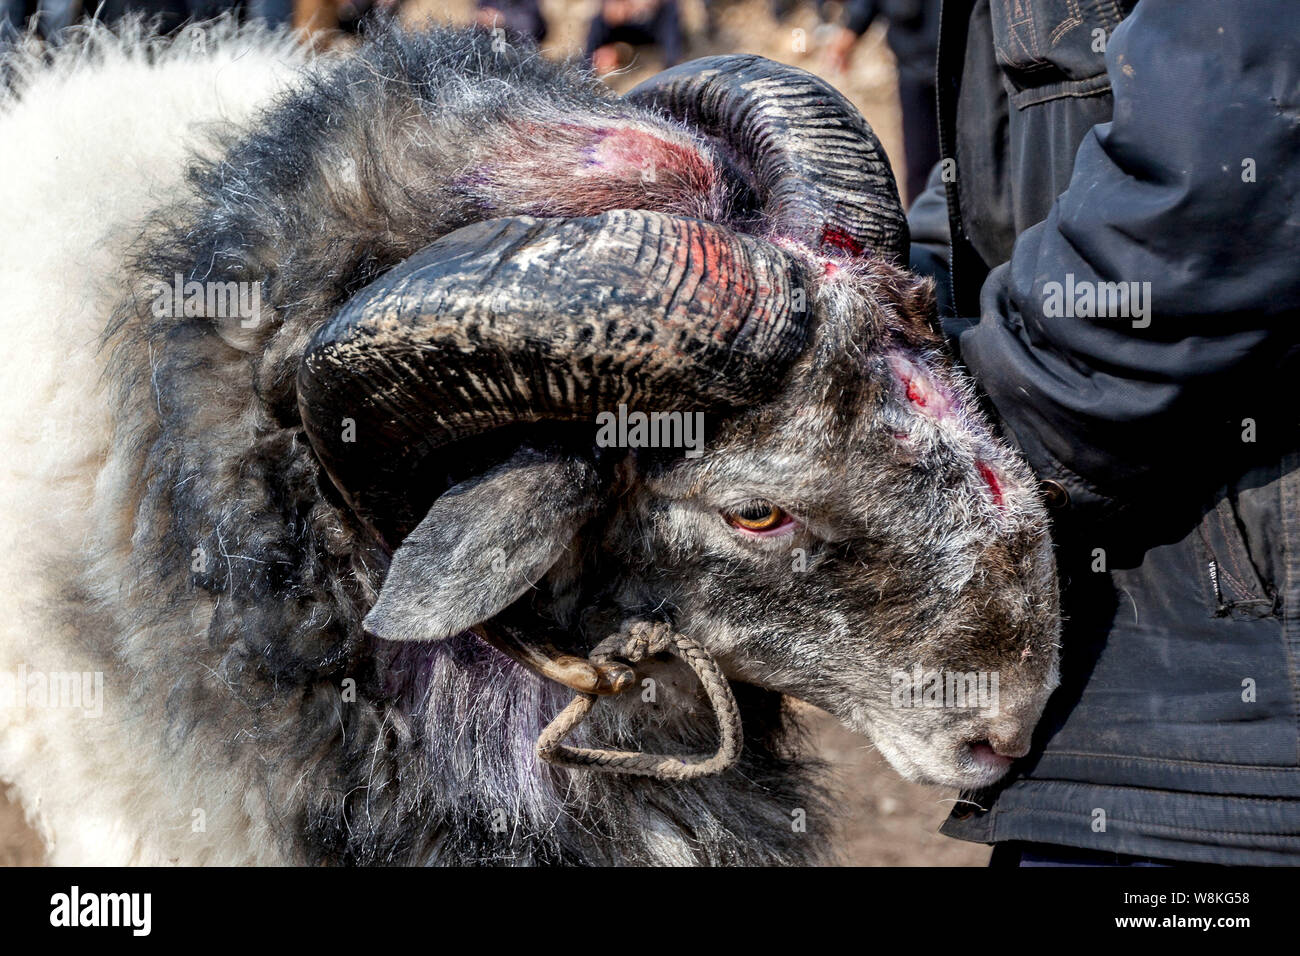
{"x":913,"y":37}
{"x":1119,"y":202}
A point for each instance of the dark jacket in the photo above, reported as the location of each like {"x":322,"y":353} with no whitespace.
{"x":1166,"y":427}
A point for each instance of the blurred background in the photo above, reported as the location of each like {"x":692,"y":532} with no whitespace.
{"x":879,"y":53}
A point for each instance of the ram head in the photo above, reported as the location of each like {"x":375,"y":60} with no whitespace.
{"x":685,"y":376}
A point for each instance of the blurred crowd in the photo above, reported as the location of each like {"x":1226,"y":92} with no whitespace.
{"x":48,"y":19}
{"x":618,"y":31}
{"x":619,"y":27}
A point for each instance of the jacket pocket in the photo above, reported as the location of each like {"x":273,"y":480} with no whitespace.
{"x":1234,"y":585}
{"x":1054,"y":43}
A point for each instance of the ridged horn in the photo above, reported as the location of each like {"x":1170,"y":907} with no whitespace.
{"x":520,"y":320}
{"x":822,"y":176}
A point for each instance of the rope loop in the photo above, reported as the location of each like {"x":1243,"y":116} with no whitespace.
{"x":635,"y":642}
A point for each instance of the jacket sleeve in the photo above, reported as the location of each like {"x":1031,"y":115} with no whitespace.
{"x":1187,"y":200}
{"x":931,"y":237}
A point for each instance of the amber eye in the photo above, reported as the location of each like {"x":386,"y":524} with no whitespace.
{"x":757,"y":516}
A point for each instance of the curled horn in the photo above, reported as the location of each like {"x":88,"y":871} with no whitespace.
{"x":822,"y":176}
{"x":520,"y":320}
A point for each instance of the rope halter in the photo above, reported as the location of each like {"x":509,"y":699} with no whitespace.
{"x":635,"y":642}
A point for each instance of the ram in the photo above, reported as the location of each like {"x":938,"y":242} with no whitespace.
{"x":342,"y":548}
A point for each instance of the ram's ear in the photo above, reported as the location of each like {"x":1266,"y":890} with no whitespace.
{"x":483,"y":544}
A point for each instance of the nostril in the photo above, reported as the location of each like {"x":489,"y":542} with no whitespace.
{"x":1010,"y":747}
{"x":984,"y":754}
{"x":998,"y":751}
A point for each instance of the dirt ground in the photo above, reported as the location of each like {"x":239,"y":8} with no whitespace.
{"x":886,"y":820}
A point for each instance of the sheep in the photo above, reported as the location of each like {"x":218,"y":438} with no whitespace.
{"x":340,"y":549}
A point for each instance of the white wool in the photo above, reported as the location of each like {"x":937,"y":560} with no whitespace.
{"x":92,"y":145}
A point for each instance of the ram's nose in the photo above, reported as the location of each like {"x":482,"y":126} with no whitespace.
{"x":1002,"y":742}
{"x":1012,"y":746}
{"x":1007,"y":734}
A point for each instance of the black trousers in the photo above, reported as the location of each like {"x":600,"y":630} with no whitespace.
{"x":917,"y":97}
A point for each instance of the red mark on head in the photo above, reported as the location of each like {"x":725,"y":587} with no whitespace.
{"x":920,"y":386}
{"x":839,"y":239}
{"x":915,"y":394}
{"x":628,"y":150}
{"x":591,"y":169}
{"x":991,"y":480}
{"x":829,"y":270}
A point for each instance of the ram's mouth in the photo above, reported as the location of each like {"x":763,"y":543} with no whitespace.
{"x":964,"y":765}
{"x":983,"y":763}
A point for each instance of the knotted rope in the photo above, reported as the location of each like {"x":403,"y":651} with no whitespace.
{"x":635,"y":642}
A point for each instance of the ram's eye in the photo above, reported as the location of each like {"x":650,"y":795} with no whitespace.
{"x":758,"y":517}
